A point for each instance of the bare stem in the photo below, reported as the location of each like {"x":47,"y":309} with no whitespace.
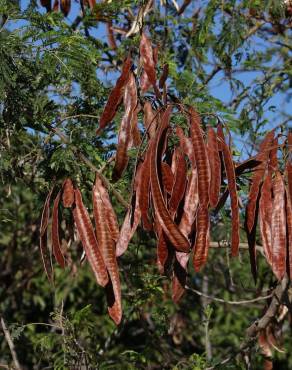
{"x":10,"y":344}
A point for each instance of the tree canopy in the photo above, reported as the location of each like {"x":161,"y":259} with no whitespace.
{"x":146,"y":184}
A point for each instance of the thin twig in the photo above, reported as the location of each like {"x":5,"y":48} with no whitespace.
{"x":10,"y":344}
{"x":78,"y":116}
{"x":279,"y":296}
{"x":244,"y":246}
{"x":247,"y":301}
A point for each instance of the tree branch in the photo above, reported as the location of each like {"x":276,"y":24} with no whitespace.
{"x":10,"y":345}
{"x":212,"y":298}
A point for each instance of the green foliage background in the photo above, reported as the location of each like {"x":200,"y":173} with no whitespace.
{"x":53,"y":75}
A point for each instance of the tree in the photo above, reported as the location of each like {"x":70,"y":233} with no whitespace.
{"x":81,"y":92}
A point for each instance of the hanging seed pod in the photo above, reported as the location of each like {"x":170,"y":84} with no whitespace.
{"x":65,"y":6}
{"x":162,"y":251}
{"x":289,"y":233}
{"x":57,"y":251}
{"x":68,"y":194}
{"x":91,"y":3}
{"x":257,"y":178}
{"x":56,"y":6}
{"x":148,"y":61}
{"x":289,"y":165}
{"x":46,"y":4}
{"x":201,"y":245}
{"x":186,"y":145}
{"x":265,"y":212}
{"x":115,"y":96}
{"x":110,"y":36}
{"x":164,"y":218}
{"x":167,"y":177}
{"x":124,"y":139}
{"x":107,"y":247}
{"x":190,"y":205}
{"x":231,"y":180}
{"x":180,"y":181}
{"x":215,"y":167}
{"x":279,"y":227}
{"x":150,"y":119}
{"x":88,"y":239}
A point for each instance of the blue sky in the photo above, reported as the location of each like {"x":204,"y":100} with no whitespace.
{"x":219,"y":86}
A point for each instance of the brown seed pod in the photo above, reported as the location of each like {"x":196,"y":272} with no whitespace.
{"x":115,"y":96}
{"x":265,"y":212}
{"x":88,"y":239}
{"x":202,"y":238}
{"x":148,"y":61}
{"x":57,"y":251}
{"x":186,"y":145}
{"x":289,"y":233}
{"x":68,"y":194}
{"x":201,"y":158}
{"x":190,"y":205}
{"x":56,"y":6}
{"x":150,"y":120}
{"x":279,"y":227}
{"x":46,"y":4}
{"x":215,"y":167}
{"x":289,"y":165}
{"x":180,"y":181}
{"x":91,"y":3}
{"x":202,"y":226}
{"x":110,"y":36}
{"x":65,"y":6}
{"x":257,"y":178}
{"x":162,"y":250}
{"x":171,"y":230}
{"x":107,"y":247}
{"x":167,"y":177}
{"x":231,"y":179}
{"x":124,"y":139}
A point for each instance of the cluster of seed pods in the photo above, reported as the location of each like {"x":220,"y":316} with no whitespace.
{"x":182,"y":175}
